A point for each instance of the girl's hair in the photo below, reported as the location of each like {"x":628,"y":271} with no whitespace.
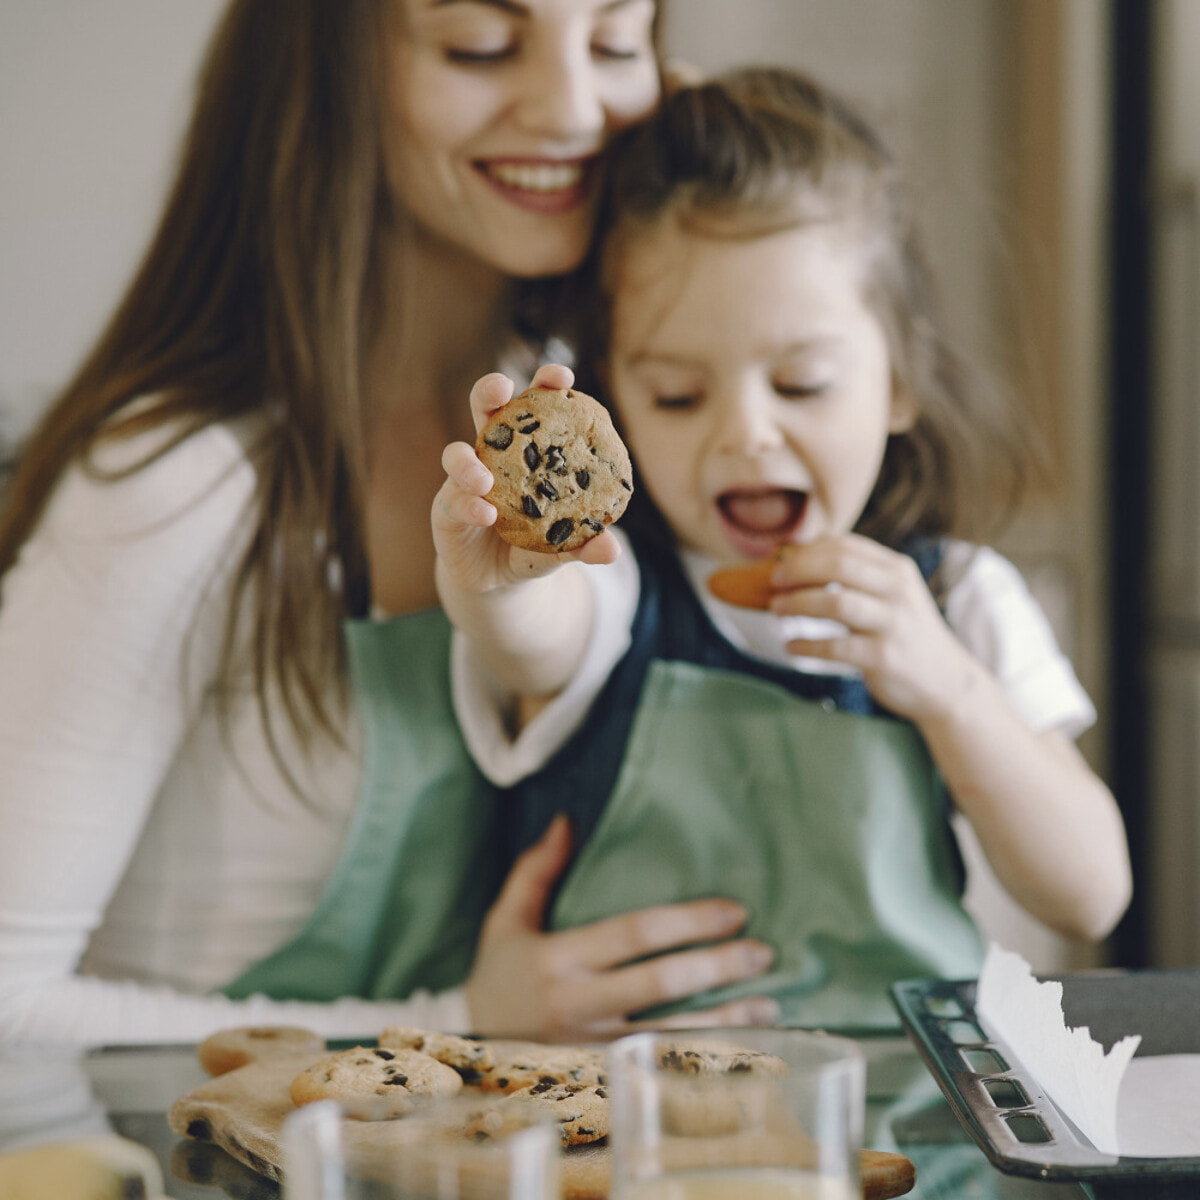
{"x":255,"y":295}
{"x":759,"y":150}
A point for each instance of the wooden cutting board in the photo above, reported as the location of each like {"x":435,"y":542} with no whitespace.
{"x":243,"y":1112}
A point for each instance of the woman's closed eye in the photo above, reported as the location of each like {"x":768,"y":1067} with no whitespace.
{"x":801,"y":389}
{"x":471,"y":56}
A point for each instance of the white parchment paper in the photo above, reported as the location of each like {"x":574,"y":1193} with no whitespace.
{"x":1145,"y":1107}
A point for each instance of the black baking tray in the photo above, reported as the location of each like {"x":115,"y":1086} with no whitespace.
{"x":1001,"y":1105}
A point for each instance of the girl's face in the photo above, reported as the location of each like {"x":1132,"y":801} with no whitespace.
{"x":752,"y":383}
{"x":496,"y":111}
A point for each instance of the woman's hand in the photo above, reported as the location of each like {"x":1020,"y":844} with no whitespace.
{"x":471,"y":556}
{"x":909,"y":658}
{"x":582,"y":984}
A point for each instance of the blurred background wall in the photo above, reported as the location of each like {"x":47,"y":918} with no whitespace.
{"x":1053,"y":146}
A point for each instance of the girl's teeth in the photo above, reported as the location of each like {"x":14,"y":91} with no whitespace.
{"x":540,"y":178}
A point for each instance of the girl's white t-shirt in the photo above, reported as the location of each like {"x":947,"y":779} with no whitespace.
{"x":989,"y":608}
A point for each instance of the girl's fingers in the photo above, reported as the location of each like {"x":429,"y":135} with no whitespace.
{"x":496,"y":390}
{"x":649,"y":931}
{"x":462,"y":465}
{"x":553,"y":375}
{"x":852,"y":561}
{"x":490,"y":393}
{"x":600,"y":550}
{"x":861,"y":611}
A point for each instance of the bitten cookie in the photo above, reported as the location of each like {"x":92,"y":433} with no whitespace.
{"x":747,"y":587}
{"x":228,"y":1049}
{"x":387,"y":1083}
{"x":524,"y":1064}
{"x":581,"y":1109}
{"x":470,"y":1058}
{"x":562,"y":472}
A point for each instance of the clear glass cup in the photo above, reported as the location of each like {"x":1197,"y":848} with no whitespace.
{"x":477,"y":1148}
{"x":758,"y":1114}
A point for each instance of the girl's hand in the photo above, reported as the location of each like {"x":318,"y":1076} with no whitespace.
{"x":896,"y":636}
{"x":583,"y":983}
{"x":471,"y":556}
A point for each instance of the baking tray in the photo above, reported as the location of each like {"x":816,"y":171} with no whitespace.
{"x":1001,"y":1105}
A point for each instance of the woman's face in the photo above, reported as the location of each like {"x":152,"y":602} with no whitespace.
{"x":496,"y":111}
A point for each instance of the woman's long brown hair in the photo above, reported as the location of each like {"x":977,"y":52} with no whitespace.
{"x":252,"y":297}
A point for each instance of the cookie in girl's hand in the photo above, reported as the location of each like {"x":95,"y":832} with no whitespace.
{"x":562,"y":472}
{"x":746,"y":586}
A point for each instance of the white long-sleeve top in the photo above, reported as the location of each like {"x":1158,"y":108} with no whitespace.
{"x":145,"y":860}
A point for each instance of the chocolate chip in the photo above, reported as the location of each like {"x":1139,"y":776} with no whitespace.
{"x":547,"y":490}
{"x":200,"y":1129}
{"x":396,"y":1081}
{"x":556,"y":460}
{"x":384,"y":1054}
{"x":627,"y":485}
{"x":602,"y":1093}
{"x":533,"y":456}
{"x":583,"y":479}
{"x":529,"y":507}
{"x":531,"y":426}
{"x":560,"y":531}
{"x":499,"y":438}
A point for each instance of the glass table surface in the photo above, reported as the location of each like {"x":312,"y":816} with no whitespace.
{"x":127,"y":1090}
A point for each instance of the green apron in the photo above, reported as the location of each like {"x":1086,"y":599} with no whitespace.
{"x":829,"y":826}
{"x":403,"y":906}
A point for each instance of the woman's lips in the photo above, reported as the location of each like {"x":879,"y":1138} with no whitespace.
{"x":538,"y":185}
{"x":757,"y":520}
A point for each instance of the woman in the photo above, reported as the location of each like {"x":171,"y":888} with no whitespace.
{"x":243,"y":466}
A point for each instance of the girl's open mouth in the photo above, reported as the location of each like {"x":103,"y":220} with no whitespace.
{"x":758,"y":520}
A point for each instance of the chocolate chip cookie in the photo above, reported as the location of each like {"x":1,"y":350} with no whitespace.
{"x":524,"y":1064}
{"x":562,"y":472}
{"x":580,"y":1109}
{"x":376,"y":1083}
{"x":468,"y":1056}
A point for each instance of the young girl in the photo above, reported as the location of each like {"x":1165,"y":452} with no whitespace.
{"x":772,"y":356}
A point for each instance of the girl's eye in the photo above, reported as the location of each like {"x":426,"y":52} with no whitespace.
{"x":800,"y":391}
{"x":676,"y":403}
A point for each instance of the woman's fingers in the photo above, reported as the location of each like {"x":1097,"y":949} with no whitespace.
{"x":521,"y":905}
{"x":616,"y":940}
{"x":669,"y":977}
{"x":754,"y":1010}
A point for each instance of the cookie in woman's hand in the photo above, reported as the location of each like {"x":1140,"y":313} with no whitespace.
{"x":562,"y":472}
